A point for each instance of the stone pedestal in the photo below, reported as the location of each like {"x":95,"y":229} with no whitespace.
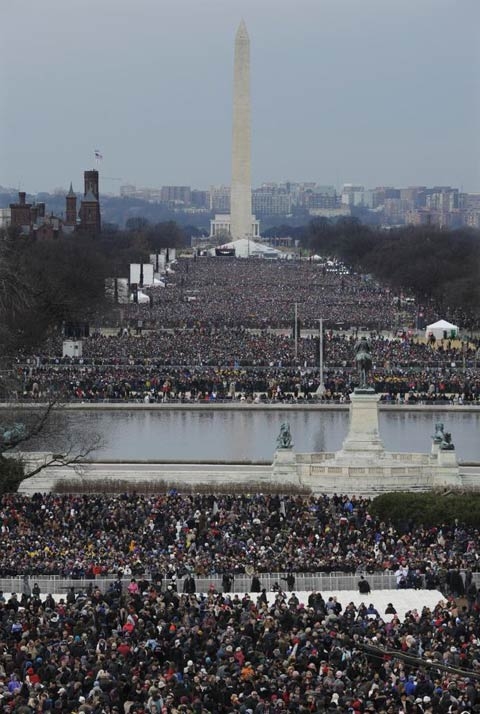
{"x":446,"y":472}
{"x":363,"y":436}
{"x":447,"y":458}
{"x":284,"y":467}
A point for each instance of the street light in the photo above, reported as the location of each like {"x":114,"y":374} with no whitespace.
{"x":296,"y":331}
{"x":321,"y":386}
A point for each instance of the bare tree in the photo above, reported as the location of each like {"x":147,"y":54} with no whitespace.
{"x":40,"y":422}
{"x":41,"y":285}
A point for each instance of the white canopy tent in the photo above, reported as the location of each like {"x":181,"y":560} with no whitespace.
{"x":441,"y":330}
{"x":142,"y":298}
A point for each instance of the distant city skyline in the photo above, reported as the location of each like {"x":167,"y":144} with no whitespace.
{"x":371,"y":93}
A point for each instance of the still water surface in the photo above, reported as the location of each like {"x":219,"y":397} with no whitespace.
{"x":235,"y":435}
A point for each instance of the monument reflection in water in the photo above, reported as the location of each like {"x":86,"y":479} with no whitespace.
{"x":251,"y":433}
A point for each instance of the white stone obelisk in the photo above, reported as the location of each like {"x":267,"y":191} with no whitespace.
{"x":241,"y":189}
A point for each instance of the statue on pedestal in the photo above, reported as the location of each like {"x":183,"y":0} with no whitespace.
{"x":9,"y":436}
{"x":284,"y":439}
{"x":363,"y":360}
{"x":439,"y":433}
{"x":447,"y":444}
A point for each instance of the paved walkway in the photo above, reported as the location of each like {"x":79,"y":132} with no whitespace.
{"x":402,"y":600}
{"x":273,"y":406}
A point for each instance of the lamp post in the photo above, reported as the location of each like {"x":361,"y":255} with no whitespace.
{"x":321,"y":386}
{"x":296,"y":331}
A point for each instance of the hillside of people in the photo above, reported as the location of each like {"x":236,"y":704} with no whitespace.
{"x":146,"y":640}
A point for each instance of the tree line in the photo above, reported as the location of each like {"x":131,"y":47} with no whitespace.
{"x":434,"y":264}
{"x":47,"y":283}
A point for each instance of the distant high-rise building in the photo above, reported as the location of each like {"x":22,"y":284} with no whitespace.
{"x":176,"y":195}
{"x":415,"y":195}
{"x":442,"y":198}
{"x":269,"y":200}
{"x":220,"y":199}
{"x":352,"y":195}
{"x":200,"y":199}
{"x":315,"y":196}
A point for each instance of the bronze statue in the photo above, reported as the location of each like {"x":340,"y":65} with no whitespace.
{"x":284,"y":439}
{"x":11,"y":435}
{"x":363,"y":360}
{"x":439,"y":433}
{"x":447,"y":443}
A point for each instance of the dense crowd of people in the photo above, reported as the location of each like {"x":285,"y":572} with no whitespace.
{"x":218,"y":365}
{"x":244,"y":348}
{"x":224,"y":330}
{"x":149,"y":643}
{"x":84,"y":536}
{"x":142,"y":645}
{"x":256,"y":293}
{"x":129,"y":650}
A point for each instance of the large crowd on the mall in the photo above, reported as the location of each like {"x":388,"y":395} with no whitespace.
{"x":215,"y":333}
{"x":261,"y":293}
{"x":150,"y":643}
{"x":200,"y":364}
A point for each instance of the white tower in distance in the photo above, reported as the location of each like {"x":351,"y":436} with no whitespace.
{"x":241,"y":189}
{"x":240,"y":223}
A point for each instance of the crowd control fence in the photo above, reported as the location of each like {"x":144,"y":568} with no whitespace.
{"x":323,"y":582}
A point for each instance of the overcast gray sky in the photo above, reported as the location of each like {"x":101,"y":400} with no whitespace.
{"x":379,"y":92}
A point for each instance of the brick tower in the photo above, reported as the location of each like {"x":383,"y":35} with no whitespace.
{"x":90,"y":205}
{"x":71,"y":207}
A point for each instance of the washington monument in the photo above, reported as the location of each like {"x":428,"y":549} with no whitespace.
{"x":240,"y":223}
{"x":241,"y":189}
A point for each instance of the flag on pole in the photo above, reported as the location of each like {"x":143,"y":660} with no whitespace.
{"x":98,"y":155}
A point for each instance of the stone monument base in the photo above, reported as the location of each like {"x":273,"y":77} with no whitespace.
{"x":363,"y":436}
{"x":284,"y":467}
{"x":362,"y":466}
{"x":369,"y":476}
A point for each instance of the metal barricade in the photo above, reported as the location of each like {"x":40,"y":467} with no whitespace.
{"x":323,"y":582}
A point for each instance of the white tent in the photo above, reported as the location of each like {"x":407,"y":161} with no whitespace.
{"x":441,"y":330}
{"x":142,"y":298}
{"x":245,"y":248}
